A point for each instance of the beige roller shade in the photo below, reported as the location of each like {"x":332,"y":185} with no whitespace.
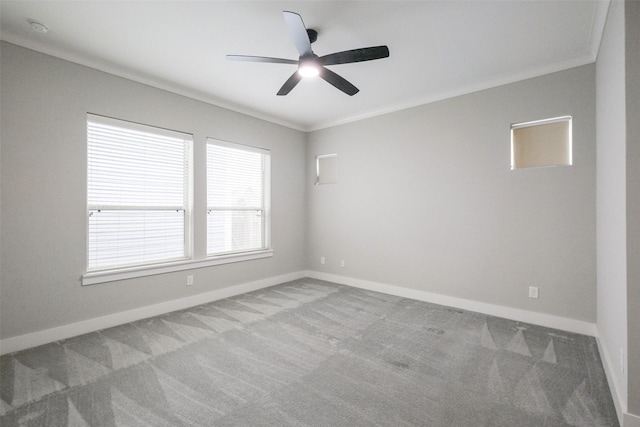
{"x":542,"y":143}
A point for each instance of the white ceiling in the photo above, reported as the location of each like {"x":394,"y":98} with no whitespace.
{"x":438,"y":49}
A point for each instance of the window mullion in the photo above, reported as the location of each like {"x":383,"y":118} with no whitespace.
{"x":232,"y":208}
{"x":134,"y":208}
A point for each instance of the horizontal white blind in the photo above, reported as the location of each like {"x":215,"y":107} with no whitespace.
{"x":237,"y":198}
{"x":137,"y":194}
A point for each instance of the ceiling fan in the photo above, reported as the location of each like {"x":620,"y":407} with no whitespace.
{"x":309,"y":64}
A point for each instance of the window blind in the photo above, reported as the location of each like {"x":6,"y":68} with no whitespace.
{"x":238,"y":180}
{"x":327,"y":169}
{"x":542,"y":143}
{"x":138,"y":194}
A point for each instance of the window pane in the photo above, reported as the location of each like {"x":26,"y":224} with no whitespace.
{"x":543,"y":143}
{"x":237,"y":198}
{"x":327,"y":169}
{"x":234,"y":177}
{"x":138,"y":189}
{"x":125,"y":238}
{"x":234,"y":231}
{"x":132,"y":168}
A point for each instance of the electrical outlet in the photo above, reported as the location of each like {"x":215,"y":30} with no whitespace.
{"x":621,"y":360}
{"x":342,"y":263}
{"x":533,"y":292}
{"x":189,"y":280}
{"x":322,"y":260}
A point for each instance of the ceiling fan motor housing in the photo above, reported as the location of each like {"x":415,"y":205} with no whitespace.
{"x":313,"y":35}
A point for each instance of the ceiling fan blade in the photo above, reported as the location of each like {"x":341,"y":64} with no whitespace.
{"x":355,"y":55}
{"x":298,"y":33}
{"x":261,"y":59}
{"x":338,"y":81}
{"x":290,"y":84}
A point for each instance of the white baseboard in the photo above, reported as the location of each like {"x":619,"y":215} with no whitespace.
{"x":542,"y":319}
{"x":22,"y":342}
{"x":614,"y":385}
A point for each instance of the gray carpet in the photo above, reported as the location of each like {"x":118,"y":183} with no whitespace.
{"x":311,"y":353}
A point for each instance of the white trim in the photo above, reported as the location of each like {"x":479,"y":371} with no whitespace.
{"x":138,"y":127}
{"x":541,"y":122}
{"x":526,"y":74}
{"x":265,"y":176}
{"x":119,"y":71}
{"x":614,"y":385}
{"x":321,"y":157}
{"x":541,"y":319}
{"x":238,"y":146}
{"x":516,"y":126}
{"x":116,"y":70}
{"x":21,"y":342}
{"x":106,"y":136}
{"x":597,"y":26}
{"x":93,"y":278}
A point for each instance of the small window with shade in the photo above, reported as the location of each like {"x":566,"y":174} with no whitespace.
{"x":541,"y":143}
{"x":327,"y":169}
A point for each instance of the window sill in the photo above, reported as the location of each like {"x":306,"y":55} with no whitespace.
{"x":93,"y":278}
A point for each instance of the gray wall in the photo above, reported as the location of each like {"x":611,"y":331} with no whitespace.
{"x":632,"y":57}
{"x":618,"y":207}
{"x":426,"y":199}
{"x":44,"y":106}
{"x":611,"y":196}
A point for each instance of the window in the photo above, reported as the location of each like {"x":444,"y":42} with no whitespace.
{"x":327,"y":169}
{"x":238,"y":185}
{"x":138,"y":194}
{"x":541,"y":143}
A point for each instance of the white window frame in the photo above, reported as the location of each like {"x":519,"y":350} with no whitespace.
{"x":98,"y":274}
{"x":551,"y":161}
{"x":195,"y":258}
{"x":264,"y":209}
{"x":324,"y":159}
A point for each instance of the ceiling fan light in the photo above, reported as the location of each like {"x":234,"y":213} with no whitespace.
{"x":309,"y":66}
{"x":308,"y":70}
